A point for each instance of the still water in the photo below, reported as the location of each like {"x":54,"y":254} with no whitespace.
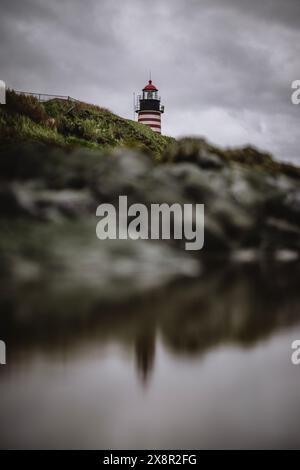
{"x":205,"y":363}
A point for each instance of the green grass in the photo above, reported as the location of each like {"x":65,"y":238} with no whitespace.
{"x":70,"y":124}
{"x":65,"y":123}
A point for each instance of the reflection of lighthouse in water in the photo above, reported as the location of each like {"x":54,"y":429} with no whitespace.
{"x":145,"y":354}
{"x":149,"y":108}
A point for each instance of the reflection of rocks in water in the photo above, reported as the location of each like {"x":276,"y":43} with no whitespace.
{"x":231,"y":304}
{"x":239,"y":305}
{"x":145,"y":354}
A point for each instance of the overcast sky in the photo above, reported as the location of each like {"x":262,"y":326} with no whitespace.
{"x":223,"y":67}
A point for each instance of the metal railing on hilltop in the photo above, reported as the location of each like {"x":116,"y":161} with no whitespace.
{"x":42,"y":97}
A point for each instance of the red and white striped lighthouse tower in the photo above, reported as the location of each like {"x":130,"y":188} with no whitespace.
{"x":149,"y":108}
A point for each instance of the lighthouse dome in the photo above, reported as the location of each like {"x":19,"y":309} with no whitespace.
{"x":150,"y":87}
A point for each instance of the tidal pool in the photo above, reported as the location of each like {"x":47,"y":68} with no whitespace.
{"x":203,"y":363}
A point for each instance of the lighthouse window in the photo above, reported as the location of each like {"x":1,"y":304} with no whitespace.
{"x":150,"y":95}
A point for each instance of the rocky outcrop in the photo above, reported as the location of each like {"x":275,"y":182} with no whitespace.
{"x":245,"y":208}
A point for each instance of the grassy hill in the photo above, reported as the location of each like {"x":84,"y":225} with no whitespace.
{"x":67,"y":123}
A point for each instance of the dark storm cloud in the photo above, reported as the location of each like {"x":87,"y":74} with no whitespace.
{"x":224,"y":67}
{"x":55,"y":45}
{"x":286,"y":12}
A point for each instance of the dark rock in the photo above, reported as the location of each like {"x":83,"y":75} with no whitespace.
{"x":245,"y":208}
{"x":194,"y":151}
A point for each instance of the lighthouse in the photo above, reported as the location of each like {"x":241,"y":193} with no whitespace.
{"x":148,"y":107}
